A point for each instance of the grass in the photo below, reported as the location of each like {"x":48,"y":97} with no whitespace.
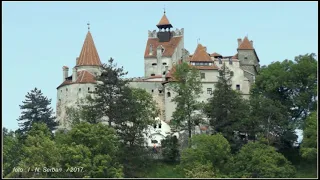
{"x":306,"y":170}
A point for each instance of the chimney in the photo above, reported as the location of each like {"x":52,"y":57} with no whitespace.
{"x":77,"y":59}
{"x":239,"y":41}
{"x":251,"y":42}
{"x":74,"y":75}
{"x":65,"y":70}
{"x":205,"y":48}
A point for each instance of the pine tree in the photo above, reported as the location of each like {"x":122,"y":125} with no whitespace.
{"x":36,"y":109}
{"x":226,"y":109}
{"x":109,"y":86}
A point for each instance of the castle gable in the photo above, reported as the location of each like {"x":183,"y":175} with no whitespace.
{"x":169,"y":47}
{"x":82,"y":77}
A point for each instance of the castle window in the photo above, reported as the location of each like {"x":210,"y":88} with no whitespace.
{"x":154,"y":141}
{"x":160,"y":91}
{"x":203,"y":75}
{"x":238,"y":87}
{"x":245,"y":57}
{"x":79,"y":89}
{"x":230,"y":61}
{"x":231,"y":73}
{"x":168,"y":94}
{"x":96,"y":89}
{"x":61,"y":90}
{"x":66,"y":89}
{"x":150,"y":50}
{"x":164,"y":63}
{"x":88,"y":89}
{"x":154,"y":126}
{"x":162,"y":49}
{"x":154,"y":64}
{"x":152,"y":74}
{"x":209,"y":91}
{"x":164,"y":73}
{"x":152,"y":90}
{"x":160,"y":126}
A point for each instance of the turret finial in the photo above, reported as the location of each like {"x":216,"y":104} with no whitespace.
{"x":88,"y":26}
{"x":164,"y":9}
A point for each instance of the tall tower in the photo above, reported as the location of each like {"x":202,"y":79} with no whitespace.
{"x":249,"y":61}
{"x":81,"y":82}
{"x":163,"y":48}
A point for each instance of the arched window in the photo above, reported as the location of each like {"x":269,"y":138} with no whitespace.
{"x":168,"y":94}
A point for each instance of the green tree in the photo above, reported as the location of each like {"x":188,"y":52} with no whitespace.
{"x":170,"y":149}
{"x":257,"y":160}
{"x":39,"y":151}
{"x":11,"y":151}
{"x":201,"y":171}
{"x":36,"y":109}
{"x":94,"y":147}
{"x":269,"y":118}
{"x":293,"y":83}
{"x":188,"y":88}
{"x":137,"y":112}
{"x":109,"y":87}
{"x":308,"y":147}
{"x":226,"y":109}
{"x":213,"y":149}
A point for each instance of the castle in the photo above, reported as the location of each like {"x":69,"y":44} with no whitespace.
{"x":164,"y":49}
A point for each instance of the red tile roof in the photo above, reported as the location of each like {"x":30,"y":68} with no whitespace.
{"x":235,"y":56}
{"x":215,"y":54}
{"x":89,"y":54}
{"x":212,"y":67}
{"x":82,"y":78}
{"x":169,"y":47}
{"x":200,"y":54}
{"x":245,"y":44}
{"x":163,"y":21}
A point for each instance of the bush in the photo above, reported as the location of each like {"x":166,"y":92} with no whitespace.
{"x":170,"y":149}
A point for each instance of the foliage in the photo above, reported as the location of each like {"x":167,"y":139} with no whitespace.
{"x":257,"y":160}
{"x":94,"y":147}
{"x":201,"y":171}
{"x":293,"y":83}
{"x":108,"y":89}
{"x":36,"y":110}
{"x":269,"y":118}
{"x":39,"y":151}
{"x":188,"y":88}
{"x":137,"y":112}
{"x":170,"y":149}
{"x":214,"y":149}
{"x":11,"y":151}
{"x":159,"y":169}
{"x":226,"y":109}
{"x":309,"y":143}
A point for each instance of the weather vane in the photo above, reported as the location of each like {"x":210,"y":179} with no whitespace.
{"x":164,"y":9}
{"x":88,"y":26}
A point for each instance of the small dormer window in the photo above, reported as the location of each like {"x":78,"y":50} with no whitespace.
{"x":150,"y":50}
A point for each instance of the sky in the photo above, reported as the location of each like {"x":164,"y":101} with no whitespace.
{"x":38,"y":38}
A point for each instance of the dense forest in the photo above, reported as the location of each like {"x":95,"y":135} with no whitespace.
{"x":251,"y":138}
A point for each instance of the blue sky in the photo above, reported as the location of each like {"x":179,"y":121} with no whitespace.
{"x":38,"y":38}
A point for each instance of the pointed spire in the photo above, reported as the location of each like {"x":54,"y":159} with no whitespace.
{"x":245,"y":44}
{"x":200,"y":54}
{"x":164,"y":22}
{"x":89,"y":54}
